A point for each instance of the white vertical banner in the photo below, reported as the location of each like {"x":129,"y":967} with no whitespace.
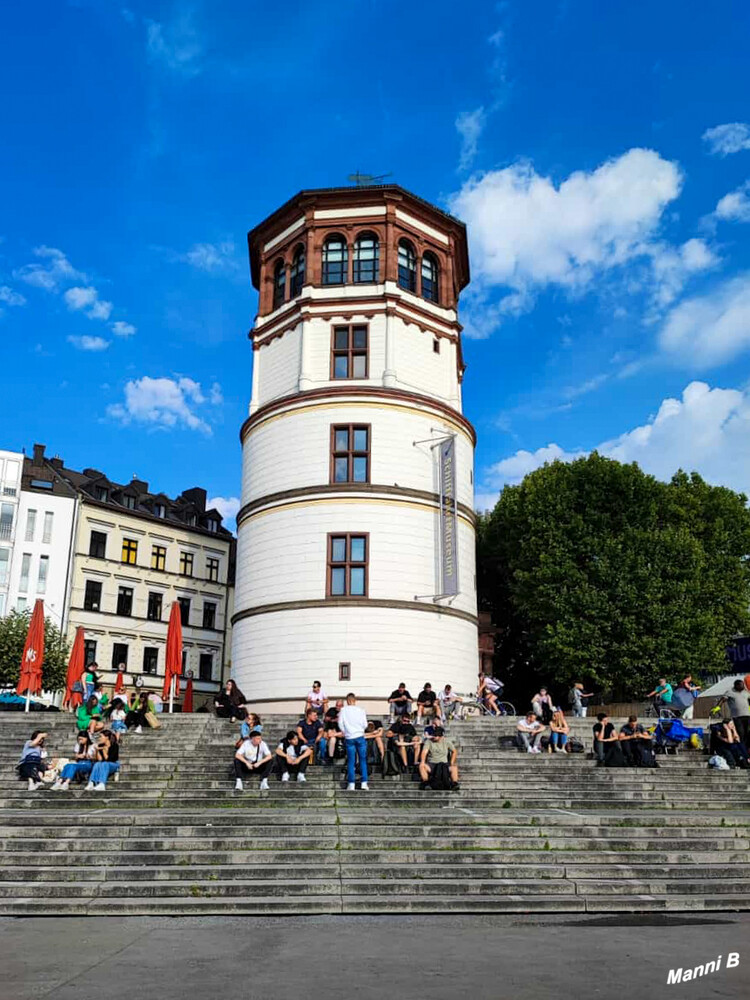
{"x":448,"y":533}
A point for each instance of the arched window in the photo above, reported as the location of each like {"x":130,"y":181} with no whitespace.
{"x":430,"y":277}
{"x":297,"y":276}
{"x":366,"y":257}
{"x":407,"y":266}
{"x":279,"y":283}
{"x":335,"y":261}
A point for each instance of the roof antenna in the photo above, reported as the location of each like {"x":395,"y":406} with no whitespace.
{"x":364,"y":180}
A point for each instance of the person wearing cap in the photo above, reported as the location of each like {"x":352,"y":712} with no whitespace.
{"x":252,"y":758}
{"x":438,"y":750}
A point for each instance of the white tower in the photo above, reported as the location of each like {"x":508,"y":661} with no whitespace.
{"x":355,"y":559}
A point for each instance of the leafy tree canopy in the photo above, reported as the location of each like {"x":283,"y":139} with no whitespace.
{"x":13,"y":630}
{"x":595,"y":571}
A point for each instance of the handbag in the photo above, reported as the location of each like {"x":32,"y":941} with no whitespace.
{"x":152,"y":721}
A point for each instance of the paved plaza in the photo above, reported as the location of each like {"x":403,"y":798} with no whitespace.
{"x":440,"y":957}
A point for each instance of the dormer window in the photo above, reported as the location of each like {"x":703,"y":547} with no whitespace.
{"x":128,"y":501}
{"x":101,"y":493}
{"x":192,"y":520}
{"x":212,"y":525}
{"x":160,"y":510}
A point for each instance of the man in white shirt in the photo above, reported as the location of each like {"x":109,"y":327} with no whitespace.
{"x":530,"y":731}
{"x":449,"y":702}
{"x":252,"y":758}
{"x":352,"y":723}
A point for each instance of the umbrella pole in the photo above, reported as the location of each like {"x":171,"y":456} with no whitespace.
{"x":28,"y":700}
{"x":171,"y":694}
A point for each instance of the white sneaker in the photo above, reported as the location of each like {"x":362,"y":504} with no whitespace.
{"x":529,"y":750}
{"x":138,"y":730}
{"x":238,"y":786}
{"x":89,"y":787}
{"x":301,"y":778}
{"x":365,"y":787}
{"x":64,"y":786}
{"x":350,"y":787}
{"x":116,"y":777}
{"x":33,"y":785}
{"x":263,"y":784}
{"x":101,"y":787}
{"x":536,"y":749}
{"x":285,"y":776}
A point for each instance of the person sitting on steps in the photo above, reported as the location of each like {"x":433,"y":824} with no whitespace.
{"x":230,"y":703}
{"x":450,"y":703}
{"x":310,"y":731}
{"x":541,"y":705}
{"x":400,"y":702}
{"x":293,"y":756}
{"x":317,"y":699}
{"x":252,"y":758}
{"x":559,"y":732}
{"x":89,"y":716}
{"x":604,"y":733}
{"x":530,"y":732}
{"x":402,"y":737}
{"x":84,"y":758}
{"x":437,"y":751}
{"x":140,"y":706}
{"x":107,"y":762}
{"x":31,"y":764}
{"x":331,"y":735}
{"x":730,"y":746}
{"x":252,"y":724}
{"x":374,"y":739}
{"x":636,"y":744}
{"x":427,"y":704}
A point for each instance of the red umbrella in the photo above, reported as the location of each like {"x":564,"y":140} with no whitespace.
{"x":75,"y":671}
{"x":120,"y":682}
{"x":187,"y":701}
{"x":33,"y":654}
{"x":174,"y":652}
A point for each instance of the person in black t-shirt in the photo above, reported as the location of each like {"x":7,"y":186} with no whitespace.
{"x":604,"y":733}
{"x":402,"y":737}
{"x":374,"y":741}
{"x":636,"y":744}
{"x":332,"y":713}
{"x":310,"y":731}
{"x":400,"y":701}
{"x":427,"y":703}
{"x":107,"y":761}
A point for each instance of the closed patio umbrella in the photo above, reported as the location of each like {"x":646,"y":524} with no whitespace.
{"x":30,"y":681}
{"x":74,"y":676}
{"x":173,"y":667}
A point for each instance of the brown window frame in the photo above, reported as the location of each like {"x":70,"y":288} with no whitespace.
{"x":350,"y":454}
{"x":129,"y":547}
{"x":350,"y":352}
{"x":345,"y":671}
{"x":348,"y":563}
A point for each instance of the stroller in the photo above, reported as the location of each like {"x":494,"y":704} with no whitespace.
{"x":671,"y":734}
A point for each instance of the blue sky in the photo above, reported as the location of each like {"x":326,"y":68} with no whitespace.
{"x":600,"y":154}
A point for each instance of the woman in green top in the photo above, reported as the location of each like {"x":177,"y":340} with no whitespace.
{"x":88,"y":716}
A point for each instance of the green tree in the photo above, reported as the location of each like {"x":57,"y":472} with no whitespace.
{"x":595,"y":571}
{"x":13,"y":630}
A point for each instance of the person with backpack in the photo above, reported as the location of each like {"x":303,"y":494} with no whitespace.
{"x":403,"y":738}
{"x":578,"y":700}
{"x":438,"y":768}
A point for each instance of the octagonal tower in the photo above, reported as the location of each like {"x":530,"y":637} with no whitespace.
{"x":355,"y":558}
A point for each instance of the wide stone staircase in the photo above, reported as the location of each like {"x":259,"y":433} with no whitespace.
{"x":524,"y":833}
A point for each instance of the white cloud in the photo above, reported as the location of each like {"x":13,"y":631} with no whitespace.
{"x":710,"y":329}
{"x":726,"y":139}
{"x":100,"y":310}
{"x":86,"y":343}
{"x":217,"y":397}
{"x":77,"y":298}
{"x":735,"y":206}
{"x":210,"y":256}
{"x":226,"y":506}
{"x":672,"y":267}
{"x":528,"y":233}
{"x":469,"y":125}
{"x":707,"y":430}
{"x":121,"y":329}
{"x":162,"y":402}
{"x":56,"y":270}
{"x":11,"y":298}
{"x":175,"y":45}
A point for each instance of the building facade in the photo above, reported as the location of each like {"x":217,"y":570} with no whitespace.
{"x":356,"y":535}
{"x":11,"y":463}
{"x":132,"y":554}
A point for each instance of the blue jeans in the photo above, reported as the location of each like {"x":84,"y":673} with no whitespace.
{"x":75,"y":767}
{"x":561,"y":738}
{"x":102,"y":770}
{"x":356,"y":749}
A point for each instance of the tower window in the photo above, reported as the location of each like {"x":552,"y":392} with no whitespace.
{"x":347,"y":566}
{"x":430,"y":278}
{"x":297,"y":277}
{"x":279,"y":283}
{"x":436,"y":346}
{"x":349,"y":352}
{"x":345,"y":671}
{"x":366,"y":256}
{"x":335,"y":261}
{"x":350,"y":453}
{"x":407,"y":266}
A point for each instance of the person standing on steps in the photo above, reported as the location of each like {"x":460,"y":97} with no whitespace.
{"x":352,"y":723}
{"x":579,"y":700}
{"x":739,"y":707}
{"x":252,"y":758}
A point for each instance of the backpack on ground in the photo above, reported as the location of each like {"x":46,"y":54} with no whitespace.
{"x":392,"y":763}
{"x":440,"y":778}
{"x":575,"y":745}
{"x":719,"y":763}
